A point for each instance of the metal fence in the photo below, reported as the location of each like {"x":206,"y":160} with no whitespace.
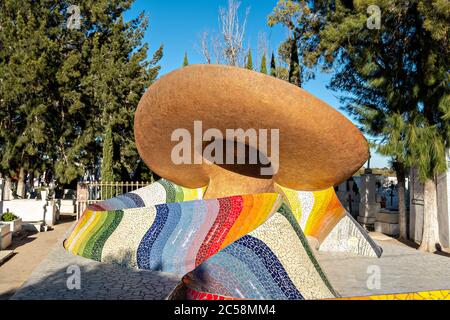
{"x":92,"y":192}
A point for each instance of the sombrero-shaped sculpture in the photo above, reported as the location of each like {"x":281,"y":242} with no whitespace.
{"x":302,"y":143}
{"x":233,"y":246}
{"x":248,"y":243}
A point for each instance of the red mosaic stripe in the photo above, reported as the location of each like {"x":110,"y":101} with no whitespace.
{"x":229,"y":211}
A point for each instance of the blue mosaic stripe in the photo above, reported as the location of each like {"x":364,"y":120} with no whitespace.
{"x":145,"y":246}
{"x":273,"y":266}
{"x":111,"y":204}
{"x":138,"y":202}
{"x":126,"y":202}
{"x":180,"y":239}
{"x":157,"y":261}
{"x":237,"y":272}
{"x":256,"y":266}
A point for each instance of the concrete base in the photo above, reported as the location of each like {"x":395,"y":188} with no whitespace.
{"x":367,"y":212}
{"x":369,"y":209}
{"x":5,"y":237}
{"x":391,"y":229}
{"x":33,"y":210}
{"x":67,"y":206}
{"x":388,"y":217}
{"x":366,"y":220}
{"x":14,"y":226}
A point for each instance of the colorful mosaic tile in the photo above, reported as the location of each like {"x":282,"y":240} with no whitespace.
{"x":162,"y":191}
{"x":237,"y":241}
{"x":323,"y":218}
{"x":229,"y":248}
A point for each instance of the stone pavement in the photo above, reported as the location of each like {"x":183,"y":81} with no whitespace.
{"x":98,"y":281}
{"x":28,"y":252}
{"x":402,"y":269}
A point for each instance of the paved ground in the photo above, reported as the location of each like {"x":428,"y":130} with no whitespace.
{"x":401,"y":269}
{"x":29,"y":251}
{"x":97,"y":280}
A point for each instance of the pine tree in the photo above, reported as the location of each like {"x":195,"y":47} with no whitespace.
{"x":249,"y":60}
{"x":273,"y":66}
{"x":118,"y":76}
{"x":283,"y":61}
{"x":263,"y":64}
{"x":60,"y":88}
{"x":26,"y":73}
{"x":185,"y":61}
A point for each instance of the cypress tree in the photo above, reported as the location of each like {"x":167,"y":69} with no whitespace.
{"x":273,"y":66}
{"x":185,"y":61}
{"x":295,"y":73}
{"x":107,"y":171}
{"x":264,"y":64}
{"x":249,"y":64}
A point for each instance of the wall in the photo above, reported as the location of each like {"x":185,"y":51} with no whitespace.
{"x":31,"y":210}
{"x":417,"y":209}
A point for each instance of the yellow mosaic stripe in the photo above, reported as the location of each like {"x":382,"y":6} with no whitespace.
{"x":325,"y":213}
{"x":292,"y":199}
{"x":193,"y":194}
{"x":85,"y":234}
{"x":422,"y":295}
{"x":96,"y":226}
{"x":81,"y":223}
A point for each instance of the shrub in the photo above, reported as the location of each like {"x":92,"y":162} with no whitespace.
{"x":8,"y":216}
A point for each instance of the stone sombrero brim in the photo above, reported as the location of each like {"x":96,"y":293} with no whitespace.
{"x":318,"y":146}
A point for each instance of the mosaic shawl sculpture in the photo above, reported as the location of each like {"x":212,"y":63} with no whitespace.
{"x":224,"y":229}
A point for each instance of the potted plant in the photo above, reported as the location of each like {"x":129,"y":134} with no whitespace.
{"x":14,"y":222}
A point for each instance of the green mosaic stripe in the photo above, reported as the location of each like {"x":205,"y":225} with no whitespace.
{"x":287,"y":213}
{"x":108,"y":230}
{"x":97,"y":227}
{"x":179,"y":194}
{"x":104,"y":223}
{"x":170,"y":191}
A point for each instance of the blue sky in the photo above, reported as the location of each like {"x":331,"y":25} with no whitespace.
{"x":178,"y":25}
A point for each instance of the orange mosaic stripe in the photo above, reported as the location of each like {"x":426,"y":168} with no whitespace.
{"x":325,"y":215}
